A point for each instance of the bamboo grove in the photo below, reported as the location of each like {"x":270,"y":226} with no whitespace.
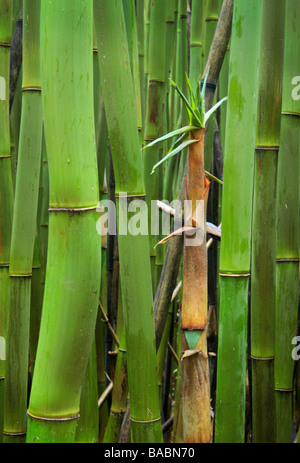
{"x":149,"y":221}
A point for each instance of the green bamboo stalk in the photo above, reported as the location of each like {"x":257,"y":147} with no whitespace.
{"x":120,"y":384}
{"x":88,"y":422}
{"x":140,"y":9}
{"x":184,"y":72}
{"x":6,"y":185}
{"x":147,"y":36}
{"x":100,"y":336}
{"x":235,"y":249}
{"x":154,"y":114}
{"x":263,"y":281}
{"x":223,"y":91}
{"x":196,"y":42}
{"x":132,"y":40}
{"x":73,"y":261}
{"x":287,"y":254}
{"x":24,"y":230}
{"x":211,"y":21}
{"x":177,"y":75}
{"x":134,"y":250}
{"x":36,"y":299}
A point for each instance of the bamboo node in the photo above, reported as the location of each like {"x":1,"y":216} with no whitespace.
{"x":234,"y":275}
{"x":46,"y":418}
{"x":72,"y":209}
{"x":145,"y":422}
{"x":263,"y":359}
{"x":5,"y":44}
{"x":20,"y":276}
{"x":31,"y":89}
{"x":267,"y":148}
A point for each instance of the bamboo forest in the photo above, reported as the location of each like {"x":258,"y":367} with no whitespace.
{"x":149,"y":223}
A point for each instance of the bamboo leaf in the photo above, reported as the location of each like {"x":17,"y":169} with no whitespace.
{"x":180,"y":131}
{"x":179,"y":148}
{"x":204,"y":84}
{"x":212,"y":177}
{"x":194,"y":120}
{"x":213,"y":109}
{"x":196,"y":107}
{"x":179,"y":231}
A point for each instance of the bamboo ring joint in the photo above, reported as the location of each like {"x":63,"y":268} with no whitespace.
{"x":234,"y":275}
{"x":44,"y":418}
{"x":72,"y":209}
{"x":145,"y":422}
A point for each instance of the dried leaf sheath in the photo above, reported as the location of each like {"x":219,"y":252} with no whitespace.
{"x":194,"y":299}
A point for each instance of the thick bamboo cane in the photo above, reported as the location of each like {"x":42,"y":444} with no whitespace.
{"x":74,"y":259}
{"x":236,"y":225}
{"x":287,"y":254}
{"x":263,"y":259}
{"x":134,"y":251}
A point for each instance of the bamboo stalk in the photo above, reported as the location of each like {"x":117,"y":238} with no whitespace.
{"x":235,"y":249}
{"x":196,"y":42}
{"x":287,"y":248}
{"x":135,"y":271}
{"x":88,"y":422}
{"x":154,"y":114}
{"x":263,"y":282}
{"x":24,"y":230}
{"x":6,"y":186}
{"x":73,"y":262}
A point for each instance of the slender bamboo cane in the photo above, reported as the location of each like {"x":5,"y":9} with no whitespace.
{"x":6,"y":185}
{"x":140,"y":9}
{"x":132,"y":40}
{"x":120,"y":390}
{"x":211,"y":21}
{"x":73,"y":263}
{"x":287,"y":256}
{"x":236,"y":225}
{"x":154,"y":115}
{"x":15,"y":55}
{"x":263,"y":282}
{"x":88,"y":422}
{"x":24,"y":229}
{"x":134,"y":250}
{"x":183,"y":69}
{"x":196,"y":42}
{"x":147,"y":10}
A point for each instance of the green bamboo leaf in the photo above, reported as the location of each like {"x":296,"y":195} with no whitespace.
{"x":196,"y":107}
{"x":204,"y":84}
{"x":194,"y":120}
{"x":175,"y":133}
{"x":213,"y":109}
{"x":179,"y":148}
{"x":212,"y":177}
